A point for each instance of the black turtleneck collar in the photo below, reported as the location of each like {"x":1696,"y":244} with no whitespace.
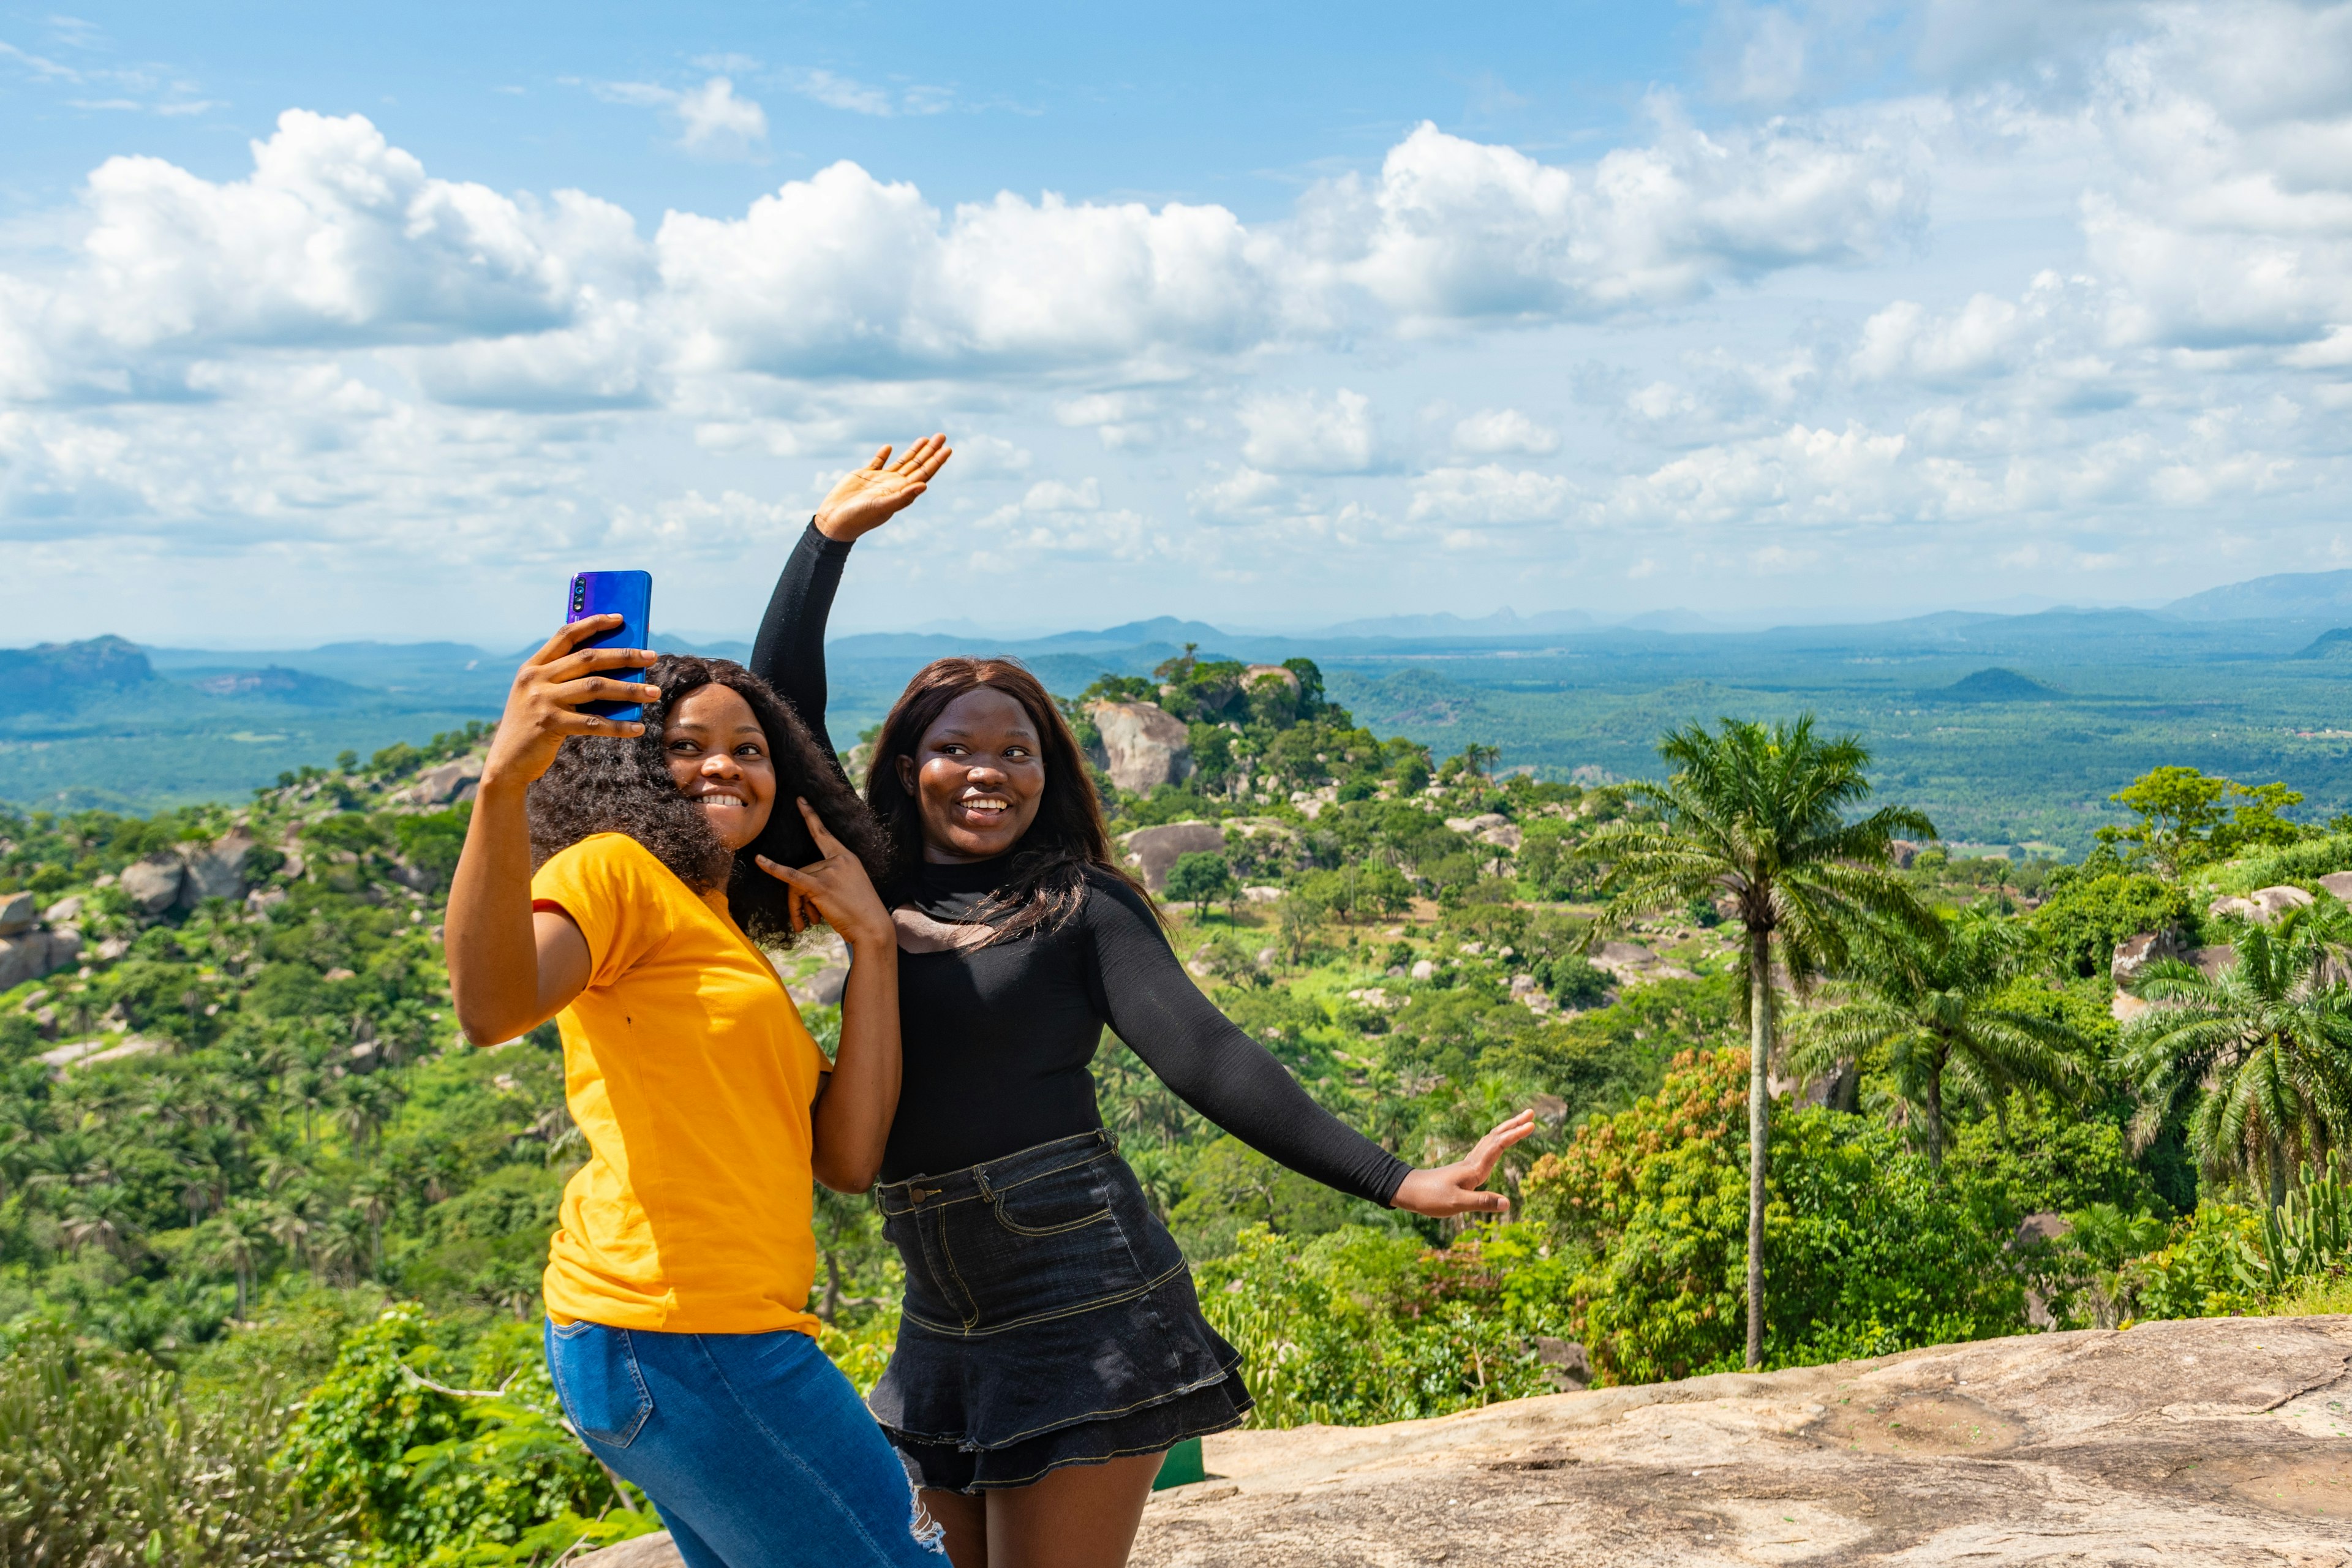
{"x":951,"y":890}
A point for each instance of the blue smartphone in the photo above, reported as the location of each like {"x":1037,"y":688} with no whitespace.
{"x":629,"y":595}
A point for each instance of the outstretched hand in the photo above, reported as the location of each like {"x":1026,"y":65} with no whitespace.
{"x":1449,"y":1190}
{"x":870,"y":497}
{"x":834,"y":890}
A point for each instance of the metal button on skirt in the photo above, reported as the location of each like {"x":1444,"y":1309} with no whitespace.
{"x":1049,"y":1321}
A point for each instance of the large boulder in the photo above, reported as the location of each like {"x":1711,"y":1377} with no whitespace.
{"x":17,"y":913}
{"x":1151,"y":851}
{"x":152,"y":882}
{"x":2134,"y":954}
{"x":2263,"y":904}
{"x":215,"y":870}
{"x":1144,"y":745}
{"x":36,"y":953}
{"x":440,"y":785}
{"x":2338,"y":885}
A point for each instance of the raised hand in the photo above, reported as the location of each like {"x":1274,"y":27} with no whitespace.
{"x":836,"y":888}
{"x":543,"y":704}
{"x":1448,"y":1190}
{"x":870,"y":497}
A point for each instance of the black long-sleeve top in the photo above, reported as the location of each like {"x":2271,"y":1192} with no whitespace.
{"x":997,"y":1040}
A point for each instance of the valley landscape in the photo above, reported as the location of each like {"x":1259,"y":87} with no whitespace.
{"x":255,"y":1185}
{"x":2010,"y":731}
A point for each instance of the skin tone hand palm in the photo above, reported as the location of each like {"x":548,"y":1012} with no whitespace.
{"x":1443,"y":1191}
{"x":870,"y":497}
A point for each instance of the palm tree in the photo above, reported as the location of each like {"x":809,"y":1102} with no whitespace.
{"x":371,"y":1199}
{"x":1933,"y":1004}
{"x":2268,"y":1040}
{"x":101,"y":1214}
{"x":238,"y":1237}
{"x":1757,"y":814}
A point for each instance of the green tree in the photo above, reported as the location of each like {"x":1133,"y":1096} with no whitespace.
{"x":238,"y":1238}
{"x":2181,"y":817}
{"x":1757,"y":814}
{"x":1934,"y":1004}
{"x":2266,"y":1047}
{"x":1199,"y":878}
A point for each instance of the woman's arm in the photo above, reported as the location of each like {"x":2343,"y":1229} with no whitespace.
{"x":1235,"y":1082}
{"x":789,"y":652}
{"x":857,"y":1101}
{"x":511,"y":968}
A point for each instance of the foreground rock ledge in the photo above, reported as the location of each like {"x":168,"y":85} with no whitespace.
{"x":2225,"y":1441}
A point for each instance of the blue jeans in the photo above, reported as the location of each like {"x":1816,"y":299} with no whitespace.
{"x":755,"y":1449}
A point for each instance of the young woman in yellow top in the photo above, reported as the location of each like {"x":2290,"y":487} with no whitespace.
{"x":613,"y":877}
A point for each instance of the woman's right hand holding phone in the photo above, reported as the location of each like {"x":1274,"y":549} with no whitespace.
{"x":543,"y":705}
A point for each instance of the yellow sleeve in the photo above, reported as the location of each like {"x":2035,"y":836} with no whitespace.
{"x":612,"y":888}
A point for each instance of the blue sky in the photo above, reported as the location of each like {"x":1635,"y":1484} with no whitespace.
{"x":319,"y":325}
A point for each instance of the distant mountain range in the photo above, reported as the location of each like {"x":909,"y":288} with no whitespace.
{"x":2287,"y":597}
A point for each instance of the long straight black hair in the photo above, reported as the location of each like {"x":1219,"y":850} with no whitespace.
{"x":609,"y":785}
{"x":1068,"y":838}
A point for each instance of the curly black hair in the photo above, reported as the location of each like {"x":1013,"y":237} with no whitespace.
{"x":603,"y":784}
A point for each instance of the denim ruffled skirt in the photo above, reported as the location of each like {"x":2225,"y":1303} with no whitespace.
{"x":1049,"y":1321}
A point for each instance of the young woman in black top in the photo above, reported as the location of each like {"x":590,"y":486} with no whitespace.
{"x":1051,"y":1349}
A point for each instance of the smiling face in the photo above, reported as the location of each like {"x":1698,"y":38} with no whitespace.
{"x":977,"y":776}
{"x":718,"y":755}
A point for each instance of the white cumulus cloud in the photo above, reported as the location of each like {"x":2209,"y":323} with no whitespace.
{"x":1491,"y":431}
{"x":1300,"y":433}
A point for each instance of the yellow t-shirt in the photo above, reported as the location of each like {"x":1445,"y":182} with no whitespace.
{"x":687,"y":1067}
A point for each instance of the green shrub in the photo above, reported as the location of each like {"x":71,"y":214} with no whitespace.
{"x":1358,"y":1326}
{"x":433,"y":1476}
{"x":103,"y":1463}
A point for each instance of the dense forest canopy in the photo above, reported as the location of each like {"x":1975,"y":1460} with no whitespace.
{"x":254,"y":1189}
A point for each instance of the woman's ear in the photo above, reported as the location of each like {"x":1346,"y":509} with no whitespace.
{"x":905,"y":766}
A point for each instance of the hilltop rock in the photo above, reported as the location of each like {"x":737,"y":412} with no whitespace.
{"x":2263,"y":904}
{"x":1144,"y":745}
{"x":2134,"y":954}
{"x":2220,"y":1441}
{"x":152,"y":882}
{"x":17,"y":913}
{"x":1152,"y":850}
{"x":215,"y":870}
{"x":2338,"y":885}
{"x":36,"y":953}
{"x":441,"y":785}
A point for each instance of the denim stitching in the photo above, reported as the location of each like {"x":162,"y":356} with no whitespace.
{"x":942,"y":1440}
{"x":968,"y":1331}
{"x":571,"y":1402}
{"x":996,"y":1205}
{"x":945,"y":1252}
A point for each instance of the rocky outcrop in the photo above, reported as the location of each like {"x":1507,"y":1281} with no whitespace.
{"x":215,"y":870}
{"x":1144,"y":745}
{"x":17,"y":913}
{"x":443,"y":785}
{"x":152,"y":882}
{"x":1150,"y":851}
{"x":2338,"y":885}
{"x":2134,"y":954}
{"x":2220,"y":1441}
{"x":34,"y":953}
{"x":2263,"y":904}
{"x":1488,"y":827}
